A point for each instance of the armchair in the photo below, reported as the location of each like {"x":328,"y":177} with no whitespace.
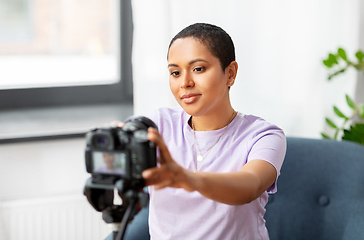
{"x":320,"y":192}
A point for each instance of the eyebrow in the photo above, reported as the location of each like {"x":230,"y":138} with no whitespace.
{"x":189,"y":63}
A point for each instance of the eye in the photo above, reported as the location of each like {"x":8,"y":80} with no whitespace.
{"x":199,"y":69}
{"x":175,"y":73}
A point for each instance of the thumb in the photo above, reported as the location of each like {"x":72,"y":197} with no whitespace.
{"x":154,"y":136}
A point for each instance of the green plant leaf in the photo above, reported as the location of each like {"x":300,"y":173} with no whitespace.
{"x":327,"y":63}
{"x":350,"y":102}
{"x":339,"y":113}
{"x":360,"y":56}
{"x":361,"y":111}
{"x":330,"y":123}
{"x":325,"y":136}
{"x":341,"y":52}
{"x":355,"y":133}
{"x":332,"y":59}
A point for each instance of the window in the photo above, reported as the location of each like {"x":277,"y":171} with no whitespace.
{"x":14,"y":20}
{"x":64,"y":52}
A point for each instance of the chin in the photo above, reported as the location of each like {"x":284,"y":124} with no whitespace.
{"x":191,"y":111}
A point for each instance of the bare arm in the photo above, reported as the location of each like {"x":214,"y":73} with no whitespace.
{"x":235,"y":188}
{"x":239,"y":187}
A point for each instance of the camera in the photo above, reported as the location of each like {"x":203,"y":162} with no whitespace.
{"x":114,"y":153}
{"x":116,"y":157}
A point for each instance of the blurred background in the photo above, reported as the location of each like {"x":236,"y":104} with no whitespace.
{"x":68,"y":66}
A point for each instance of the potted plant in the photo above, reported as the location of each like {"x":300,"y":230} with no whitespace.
{"x":352,"y":127}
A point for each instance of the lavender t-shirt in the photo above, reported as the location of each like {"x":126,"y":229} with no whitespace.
{"x":177,"y":214}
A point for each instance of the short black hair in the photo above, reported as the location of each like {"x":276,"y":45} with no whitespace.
{"x":214,"y":38}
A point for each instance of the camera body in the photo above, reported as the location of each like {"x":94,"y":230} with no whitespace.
{"x":114,"y":153}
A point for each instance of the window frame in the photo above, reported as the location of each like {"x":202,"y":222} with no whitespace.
{"x":120,"y":92}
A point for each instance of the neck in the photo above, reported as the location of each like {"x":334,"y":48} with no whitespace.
{"x":209,"y":122}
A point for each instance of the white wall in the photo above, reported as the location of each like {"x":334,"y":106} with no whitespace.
{"x":41,"y":192}
{"x":280,"y":46}
{"x":42,"y":168}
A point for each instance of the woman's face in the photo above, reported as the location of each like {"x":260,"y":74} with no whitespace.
{"x":196,"y":78}
{"x":109,"y":160}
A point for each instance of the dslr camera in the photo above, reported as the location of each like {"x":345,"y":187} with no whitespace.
{"x":114,"y":153}
{"x":116,"y":157}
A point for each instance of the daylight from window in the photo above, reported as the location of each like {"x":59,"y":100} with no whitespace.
{"x":46,"y":43}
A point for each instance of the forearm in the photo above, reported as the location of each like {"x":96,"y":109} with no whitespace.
{"x":234,"y":188}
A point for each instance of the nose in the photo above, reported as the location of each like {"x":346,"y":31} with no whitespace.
{"x":187,"y":81}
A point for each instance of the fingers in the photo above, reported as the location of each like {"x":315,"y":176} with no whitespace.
{"x":155,"y":175}
{"x":160,"y":177}
{"x":154,"y":136}
{"x":163,"y":184}
{"x":117,"y":124}
{"x":170,"y":175}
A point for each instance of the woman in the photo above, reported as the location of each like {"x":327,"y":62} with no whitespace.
{"x":216,"y":165}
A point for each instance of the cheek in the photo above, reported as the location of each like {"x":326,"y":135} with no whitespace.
{"x":211,"y":82}
{"x":173,"y":85}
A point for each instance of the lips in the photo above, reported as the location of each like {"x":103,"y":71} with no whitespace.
{"x":190,"y":98}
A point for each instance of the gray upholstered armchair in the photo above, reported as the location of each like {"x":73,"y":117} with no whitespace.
{"x":320,"y":194}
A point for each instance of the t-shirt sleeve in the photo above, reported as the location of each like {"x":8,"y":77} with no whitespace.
{"x":269,"y":145}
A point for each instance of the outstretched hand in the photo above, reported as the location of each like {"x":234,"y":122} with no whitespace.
{"x":169,"y":173}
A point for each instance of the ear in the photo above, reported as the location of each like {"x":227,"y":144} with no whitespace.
{"x":232,"y":71}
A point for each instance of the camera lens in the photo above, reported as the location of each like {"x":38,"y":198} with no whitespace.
{"x":141,"y":135}
{"x":133,"y":124}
